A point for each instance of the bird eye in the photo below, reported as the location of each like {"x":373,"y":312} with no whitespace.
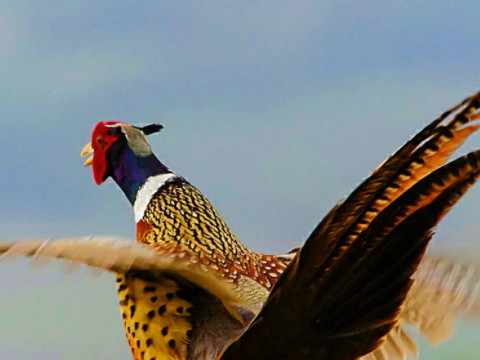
{"x":101,"y":142}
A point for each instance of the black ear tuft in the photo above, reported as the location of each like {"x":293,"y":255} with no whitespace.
{"x":150,"y":129}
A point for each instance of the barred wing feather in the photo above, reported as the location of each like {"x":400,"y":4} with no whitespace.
{"x":355,"y":270}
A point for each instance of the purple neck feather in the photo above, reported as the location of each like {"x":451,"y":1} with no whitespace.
{"x":130,"y":171}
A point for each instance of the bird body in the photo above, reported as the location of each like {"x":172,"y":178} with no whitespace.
{"x":173,"y":216}
{"x":179,"y":218}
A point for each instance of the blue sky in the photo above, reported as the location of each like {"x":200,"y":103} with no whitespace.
{"x":274,"y":109}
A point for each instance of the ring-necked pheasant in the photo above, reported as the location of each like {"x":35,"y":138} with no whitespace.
{"x":340,"y":296}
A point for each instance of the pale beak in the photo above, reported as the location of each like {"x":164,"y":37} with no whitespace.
{"x":87,"y":150}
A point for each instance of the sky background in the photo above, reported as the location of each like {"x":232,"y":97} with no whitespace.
{"x":274,"y":109}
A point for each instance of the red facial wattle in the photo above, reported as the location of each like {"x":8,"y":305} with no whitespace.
{"x":102,"y":140}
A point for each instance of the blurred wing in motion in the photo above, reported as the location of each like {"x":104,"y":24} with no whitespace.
{"x":122,"y":256}
{"x":341,"y":295}
{"x":187,"y":295}
{"x":444,"y":289}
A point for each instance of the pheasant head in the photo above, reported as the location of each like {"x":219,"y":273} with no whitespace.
{"x":120,"y":151}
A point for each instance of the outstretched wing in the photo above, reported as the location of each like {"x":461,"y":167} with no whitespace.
{"x":341,"y":295}
{"x":176,"y":285}
{"x":121,"y":256}
{"x":445,"y":289}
